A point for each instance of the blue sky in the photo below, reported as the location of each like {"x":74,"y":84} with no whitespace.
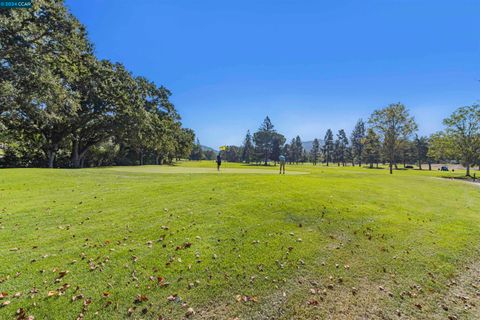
{"x":309,"y":65}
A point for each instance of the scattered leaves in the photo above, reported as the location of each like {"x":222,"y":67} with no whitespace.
{"x":241,"y":298}
{"x":140,"y":298}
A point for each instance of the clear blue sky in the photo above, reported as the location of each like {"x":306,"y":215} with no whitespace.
{"x":309,"y":65}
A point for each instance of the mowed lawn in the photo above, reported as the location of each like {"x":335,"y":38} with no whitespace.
{"x":151,"y":242}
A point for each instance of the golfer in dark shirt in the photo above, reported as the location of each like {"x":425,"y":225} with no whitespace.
{"x":219,"y":162}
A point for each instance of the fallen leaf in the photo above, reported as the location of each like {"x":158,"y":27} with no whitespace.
{"x":52,"y":293}
{"x":140,"y":298}
{"x":190,"y":312}
{"x":62,"y":274}
{"x":241,"y":298}
{"x":312,"y":302}
{"x":77,"y":297}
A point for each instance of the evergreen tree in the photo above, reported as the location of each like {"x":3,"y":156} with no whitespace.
{"x":304,"y":157}
{"x":337,"y":151}
{"x":342,"y":147}
{"x":286,"y":151}
{"x":357,"y":138}
{"x":248,"y":148}
{"x":276,"y":149}
{"x":298,"y":149}
{"x":328,"y":146}
{"x":314,"y":153}
{"x":264,"y":139}
{"x":292,"y":152}
{"x":372,"y":148}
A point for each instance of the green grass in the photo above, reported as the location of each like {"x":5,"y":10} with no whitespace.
{"x":267,"y":236}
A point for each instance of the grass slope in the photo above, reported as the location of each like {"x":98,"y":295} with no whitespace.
{"x":333,"y":243}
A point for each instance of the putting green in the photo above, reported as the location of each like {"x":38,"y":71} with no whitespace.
{"x":173,"y":169}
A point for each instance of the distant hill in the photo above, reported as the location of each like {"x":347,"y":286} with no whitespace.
{"x":205,"y":148}
{"x":307,"y":145}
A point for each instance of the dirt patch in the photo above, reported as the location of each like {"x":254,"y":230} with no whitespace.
{"x":462,"y":301}
{"x":332,"y":298}
{"x":310,"y":299}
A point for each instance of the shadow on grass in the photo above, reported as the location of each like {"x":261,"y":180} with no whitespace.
{"x":258,"y":165}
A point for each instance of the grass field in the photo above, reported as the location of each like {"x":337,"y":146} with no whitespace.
{"x":151,"y":242}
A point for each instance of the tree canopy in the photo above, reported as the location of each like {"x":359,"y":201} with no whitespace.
{"x":58,"y":101}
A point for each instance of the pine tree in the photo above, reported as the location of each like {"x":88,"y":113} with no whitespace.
{"x":342,"y":147}
{"x":372,"y":148}
{"x":248,"y":148}
{"x":276,"y":149}
{"x":328,"y":146}
{"x":314,"y":153}
{"x":292,"y":152}
{"x":357,"y":138}
{"x":264,"y":139}
{"x":298,"y":149}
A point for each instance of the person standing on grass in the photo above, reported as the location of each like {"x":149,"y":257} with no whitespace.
{"x":219,"y":162}
{"x":282,"y":161}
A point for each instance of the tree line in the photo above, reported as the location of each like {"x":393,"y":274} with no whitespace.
{"x":62,"y":106}
{"x":388,"y":137}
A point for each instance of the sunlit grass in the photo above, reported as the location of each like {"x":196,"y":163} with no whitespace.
{"x":217,"y":238}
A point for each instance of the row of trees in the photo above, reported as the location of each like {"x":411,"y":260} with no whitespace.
{"x":61,"y":106}
{"x":388,"y":137}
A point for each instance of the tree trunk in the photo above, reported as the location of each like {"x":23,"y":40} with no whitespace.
{"x":419,"y":164}
{"x":371,"y":165}
{"x":51,"y":158}
{"x":391,"y":167}
{"x":429,"y":166}
{"x":75,"y":154}
{"x":157,"y":159}
{"x":141,"y":158}
{"x":82,"y":161}
{"x":467,"y":165}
